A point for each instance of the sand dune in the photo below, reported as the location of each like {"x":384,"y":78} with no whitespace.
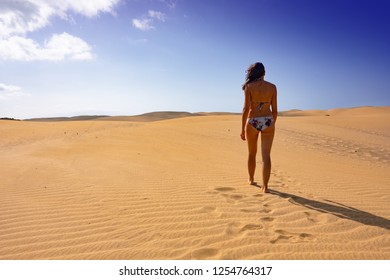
{"x":176,"y":189}
{"x":152,"y":117}
{"x":147,"y":117}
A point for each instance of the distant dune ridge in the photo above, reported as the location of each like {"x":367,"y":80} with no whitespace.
{"x":147,"y":117}
{"x":172,"y":185}
{"x":165,"y":115}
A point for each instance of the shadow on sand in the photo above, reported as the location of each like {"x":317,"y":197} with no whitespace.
{"x":336,"y":209}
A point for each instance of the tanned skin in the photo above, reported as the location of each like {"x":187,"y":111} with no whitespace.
{"x":258,"y":92}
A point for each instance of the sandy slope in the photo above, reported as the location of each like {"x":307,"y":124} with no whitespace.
{"x":176,"y":189}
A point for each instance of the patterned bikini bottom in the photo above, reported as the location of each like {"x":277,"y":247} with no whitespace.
{"x":261,"y":123}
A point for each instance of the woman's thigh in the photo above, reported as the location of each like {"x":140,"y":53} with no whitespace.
{"x":252,"y":135}
{"x":267,"y":137}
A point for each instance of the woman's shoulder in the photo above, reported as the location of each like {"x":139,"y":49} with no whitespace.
{"x":260,"y":83}
{"x":269,"y":84}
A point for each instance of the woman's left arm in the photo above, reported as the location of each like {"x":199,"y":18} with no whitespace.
{"x":245,"y":112}
{"x":274,"y":105}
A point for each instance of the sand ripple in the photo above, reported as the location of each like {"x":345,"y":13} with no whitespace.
{"x":176,"y":189}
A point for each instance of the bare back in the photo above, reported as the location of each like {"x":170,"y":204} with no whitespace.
{"x":262,"y":95}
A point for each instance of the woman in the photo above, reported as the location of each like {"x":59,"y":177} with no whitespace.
{"x":258,"y":117}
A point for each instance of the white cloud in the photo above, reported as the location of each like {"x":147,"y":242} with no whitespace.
{"x":67,"y":46}
{"x":89,"y":8}
{"x":9,"y":91}
{"x":157,"y":15}
{"x":23,"y":16}
{"x":143,"y":24}
{"x":146,"y":23}
{"x":9,"y":88}
{"x":18,"y":18}
{"x":59,"y":47}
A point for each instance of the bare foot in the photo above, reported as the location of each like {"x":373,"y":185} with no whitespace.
{"x":251,"y":182}
{"x":264,"y":189}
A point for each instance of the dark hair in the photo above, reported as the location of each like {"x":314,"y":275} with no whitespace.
{"x":254,"y":72}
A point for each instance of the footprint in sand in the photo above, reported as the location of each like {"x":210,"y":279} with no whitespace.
{"x":231,"y":198}
{"x":204,"y":253}
{"x":267,"y":219}
{"x":236,"y":196}
{"x":251,"y":227}
{"x":310,"y":217}
{"x":292,"y":237}
{"x":250,"y":210}
{"x":266,"y":209}
{"x":208,"y":209}
{"x":233,"y":228}
{"x":224,"y":189}
{"x":258,"y":209}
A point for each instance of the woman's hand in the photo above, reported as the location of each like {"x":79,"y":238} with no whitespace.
{"x":243,"y":135}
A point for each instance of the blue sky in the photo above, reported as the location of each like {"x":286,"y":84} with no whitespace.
{"x":126,"y":57}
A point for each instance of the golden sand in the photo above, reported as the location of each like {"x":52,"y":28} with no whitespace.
{"x":177,"y":189}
